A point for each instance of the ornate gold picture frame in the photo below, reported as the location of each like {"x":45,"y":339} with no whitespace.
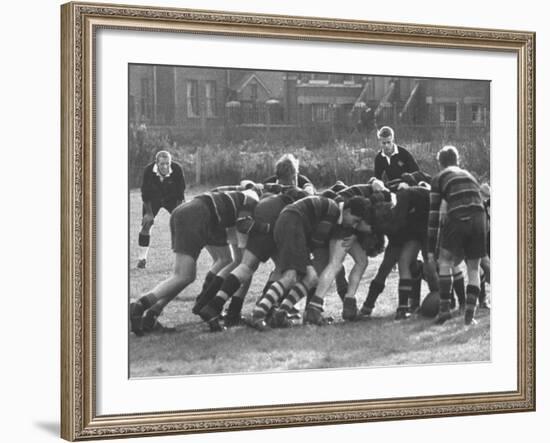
{"x":80,"y":23}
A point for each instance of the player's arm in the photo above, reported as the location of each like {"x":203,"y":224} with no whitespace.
{"x":337,"y":256}
{"x":412,"y":166}
{"x":378,"y":166}
{"x":180,"y":183}
{"x":306,"y":185}
{"x":146,"y":191}
{"x":361,"y":260}
{"x":433,"y":218}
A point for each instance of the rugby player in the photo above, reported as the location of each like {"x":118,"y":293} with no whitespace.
{"x":463,"y":235}
{"x":193,"y":225}
{"x":302,"y":228}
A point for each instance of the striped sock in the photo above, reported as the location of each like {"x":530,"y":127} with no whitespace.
{"x":230,"y":285}
{"x":296,"y":293}
{"x":472,"y":294}
{"x":445,"y":292}
{"x":266,"y":287}
{"x":270,"y":299}
{"x":316,"y":302}
{"x":405,"y":292}
{"x":458,"y":287}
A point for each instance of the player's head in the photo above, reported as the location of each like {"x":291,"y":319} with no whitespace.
{"x":355,"y":210}
{"x":447,"y":156}
{"x":163,"y":160}
{"x":386,"y":138}
{"x":286,"y":170}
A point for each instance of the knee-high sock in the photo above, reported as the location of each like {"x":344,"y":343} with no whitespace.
{"x":472,"y":295}
{"x":229,"y":286}
{"x":270,"y":299}
{"x":296,"y":293}
{"x":143,"y":242}
{"x":206,"y":296}
{"x":458,"y":287}
{"x":405,"y":292}
{"x":445,"y":292}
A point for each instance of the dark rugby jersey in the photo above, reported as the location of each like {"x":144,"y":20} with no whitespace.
{"x":411,"y":209}
{"x":171,"y":188}
{"x":319,"y":216}
{"x":400,"y":163}
{"x":362,"y":191}
{"x":461,"y":192}
{"x":225,"y":206}
{"x":267,"y":211}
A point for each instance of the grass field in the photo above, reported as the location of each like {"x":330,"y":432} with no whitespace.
{"x":379,"y":341}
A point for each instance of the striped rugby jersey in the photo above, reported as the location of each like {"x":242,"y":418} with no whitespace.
{"x":225,"y":206}
{"x":460,"y":190}
{"x":319,"y":215}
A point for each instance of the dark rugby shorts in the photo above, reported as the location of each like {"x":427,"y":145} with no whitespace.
{"x":291,"y":242}
{"x":261,"y":245}
{"x":157,"y":204}
{"x":192,"y":228}
{"x":465,"y":238}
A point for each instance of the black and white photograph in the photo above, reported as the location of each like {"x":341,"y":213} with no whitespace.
{"x":286,"y":221}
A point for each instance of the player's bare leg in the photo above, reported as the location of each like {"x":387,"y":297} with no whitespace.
{"x":408,"y":256}
{"x":144,"y":239}
{"x":472,"y":290}
{"x":445,"y":261}
{"x":153,"y":303}
{"x":361,"y":260}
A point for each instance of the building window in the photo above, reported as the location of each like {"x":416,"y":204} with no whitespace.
{"x":254,"y":92}
{"x":210,"y":98}
{"x":192,"y":98}
{"x":448,"y":113}
{"x":348,"y":79}
{"x":478,"y":114}
{"x":320,"y":112}
{"x":319,"y":78}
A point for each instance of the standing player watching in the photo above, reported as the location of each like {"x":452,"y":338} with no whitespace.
{"x":392,"y":160}
{"x":163,"y":187}
{"x":462,"y":236}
